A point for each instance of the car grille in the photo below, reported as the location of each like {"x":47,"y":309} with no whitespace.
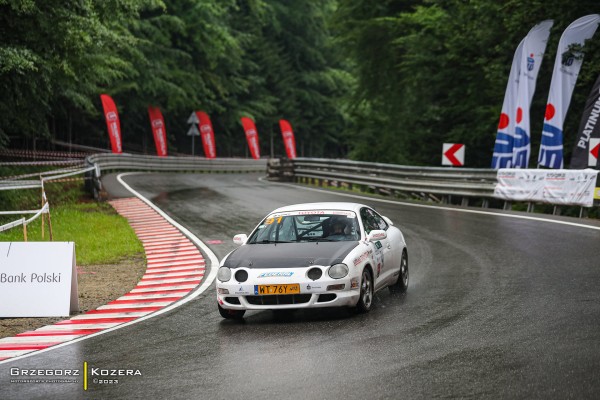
{"x":324,"y":298}
{"x":278,"y":299}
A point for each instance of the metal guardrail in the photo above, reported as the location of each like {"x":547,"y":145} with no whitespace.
{"x":418,"y":182}
{"x":153,"y":163}
{"x":137,"y":162}
{"x":439,"y":184}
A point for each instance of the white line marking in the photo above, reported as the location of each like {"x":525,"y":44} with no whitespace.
{"x":160,"y":289}
{"x":183,"y":269}
{"x":134,"y":305}
{"x":78,"y":327}
{"x":154,"y":296}
{"x":111,"y":315}
{"x":145,"y":282}
{"x":38,"y":339}
{"x":15,"y":354}
{"x":198,"y":273}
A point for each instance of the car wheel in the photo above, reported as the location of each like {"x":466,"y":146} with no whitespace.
{"x":367,"y":292}
{"x":231,"y":314}
{"x":402,"y":284}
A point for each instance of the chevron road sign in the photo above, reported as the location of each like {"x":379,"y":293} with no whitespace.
{"x":453,"y":154}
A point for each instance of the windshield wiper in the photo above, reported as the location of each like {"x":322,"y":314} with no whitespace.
{"x":267,"y":241}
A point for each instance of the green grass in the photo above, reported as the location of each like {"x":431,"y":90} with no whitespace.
{"x":101,"y":235}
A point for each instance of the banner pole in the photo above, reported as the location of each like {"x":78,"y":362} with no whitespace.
{"x":42,"y":189}
{"x":50,"y":225}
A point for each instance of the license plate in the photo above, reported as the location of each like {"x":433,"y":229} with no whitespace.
{"x":265,"y":290}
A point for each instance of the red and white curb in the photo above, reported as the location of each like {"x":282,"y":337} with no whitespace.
{"x":175,"y":269}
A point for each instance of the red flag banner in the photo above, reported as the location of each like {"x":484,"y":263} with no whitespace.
{"x":207,"y":134}
{"x":112,"y":122}
{"x":288,"y":138}
{"x":159,"y":131}
{"x":251,"y":137}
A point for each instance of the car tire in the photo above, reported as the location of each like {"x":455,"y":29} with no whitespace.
{"x":231,"y":314}
{"x":367,"y":292}
{"x":402,"y":284}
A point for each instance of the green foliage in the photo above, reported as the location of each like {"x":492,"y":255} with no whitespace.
{"x":385,"y":80}
{"x":86,"y":224}
{"x":55,"y":57}
{"x":435,"y":71}
{"x":265,"y":58}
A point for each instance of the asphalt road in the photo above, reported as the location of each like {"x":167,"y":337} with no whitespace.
{"x":497,"y":307}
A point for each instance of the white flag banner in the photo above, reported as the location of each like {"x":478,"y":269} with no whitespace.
{"x":566,"y":70}
{"x":503,"y":148}
{"x":533,"y":50}
{"x":562,"y":187}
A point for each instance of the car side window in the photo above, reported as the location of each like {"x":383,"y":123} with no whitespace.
{"x":380,"y":221}
{"x":372,"y":221}
{"x":368,"y":221}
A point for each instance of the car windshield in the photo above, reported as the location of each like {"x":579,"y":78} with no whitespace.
{"x":307,"y":226}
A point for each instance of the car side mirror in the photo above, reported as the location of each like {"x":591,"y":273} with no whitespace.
{"x":376,"y":235}
{"x":240,"y":238}
{"x":386,"y":219}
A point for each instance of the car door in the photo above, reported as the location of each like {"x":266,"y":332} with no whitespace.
{"x":383,"y":256}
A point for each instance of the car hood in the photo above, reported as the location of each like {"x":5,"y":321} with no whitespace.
{"x":289,"y":255}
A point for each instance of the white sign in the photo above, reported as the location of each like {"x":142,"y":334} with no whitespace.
{"x":193,"y":131}
{"x":594,"y":152}
{"x":38,"y":279}
{"x":564,"y":186}
{"x":453,"y":154}
{"x":193,"y":119}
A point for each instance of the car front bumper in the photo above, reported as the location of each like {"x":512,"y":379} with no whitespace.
{"x":313,"y":294}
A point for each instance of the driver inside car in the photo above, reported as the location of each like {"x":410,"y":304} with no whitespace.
{"x":338,"y":228}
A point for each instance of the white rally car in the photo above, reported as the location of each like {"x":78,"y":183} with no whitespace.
{"x":313,"y":255}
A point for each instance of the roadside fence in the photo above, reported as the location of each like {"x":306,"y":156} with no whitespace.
{"x":462,"y":186}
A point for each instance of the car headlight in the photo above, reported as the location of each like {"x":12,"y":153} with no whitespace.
{"x":338,"y":271}
{"x":224,"y":274}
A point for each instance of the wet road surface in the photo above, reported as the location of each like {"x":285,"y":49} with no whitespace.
{"x":496,"y":308}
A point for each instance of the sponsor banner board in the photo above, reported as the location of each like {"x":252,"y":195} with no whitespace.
{"x":38,"y":279}
{"x":561,"y":187}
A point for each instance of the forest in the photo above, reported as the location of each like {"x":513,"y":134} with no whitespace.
{"x":371,"y":80}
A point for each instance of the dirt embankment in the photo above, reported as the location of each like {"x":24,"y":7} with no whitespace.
{"x":98,"y":285}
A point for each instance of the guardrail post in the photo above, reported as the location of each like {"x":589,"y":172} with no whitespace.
{"x":49,"y":225}
{"x":97,"y":182}
{"x":530,"y":207}
{"x":464,"y":202}
{"x":556,"y":210}
{"x":485,"y":203}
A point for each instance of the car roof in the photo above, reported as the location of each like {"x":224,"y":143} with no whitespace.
{"x":322,"y":206}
